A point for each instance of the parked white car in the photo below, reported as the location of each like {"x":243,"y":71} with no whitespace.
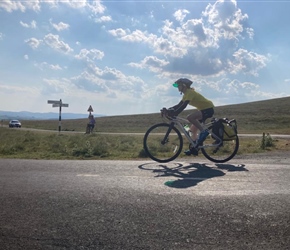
{"x":14,"y":124}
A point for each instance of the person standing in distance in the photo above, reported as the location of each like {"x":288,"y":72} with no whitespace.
{"x":91,"y":124}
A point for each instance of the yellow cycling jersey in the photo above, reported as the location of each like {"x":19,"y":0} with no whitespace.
{"x":197,"y":100}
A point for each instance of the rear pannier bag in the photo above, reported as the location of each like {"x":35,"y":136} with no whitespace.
{"x":225,"y":129}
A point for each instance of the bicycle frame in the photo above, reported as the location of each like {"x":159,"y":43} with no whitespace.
{"x":179,"y":121}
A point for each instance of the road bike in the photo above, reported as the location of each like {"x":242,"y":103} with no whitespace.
{"x":163,"y":142}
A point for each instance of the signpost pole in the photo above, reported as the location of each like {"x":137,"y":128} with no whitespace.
{"x":59,"y":119}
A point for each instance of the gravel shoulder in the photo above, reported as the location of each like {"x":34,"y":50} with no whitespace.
{"x":282,"y":157}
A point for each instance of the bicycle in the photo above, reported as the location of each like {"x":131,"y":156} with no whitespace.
{"x":163,"y":142}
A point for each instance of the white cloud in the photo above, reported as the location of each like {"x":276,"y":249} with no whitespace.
{"x":248,"y":62}
{"x":250,"y":32}
{"x":33,"y":42}
{"x":180,"y":14}
{"x":103,"y":19}
{"x":118,"y":32}
{"x":152,"y":62}
{"x":225,"y":19}
{"x":75,"y":4}
{"x":135,"y":36}
{"x":60,"y":26}
{"x":55,"y":43}
{"x":56,"y":86}
{"x":45,"y":66}
{"x":11,"y":5}
{"x":221,"y":90}
{"x":239,"y":88}
{"x":109,"y":81}
{"x":110,"y":74}
{"x":79,"y":4}
{"x":55,"y":67}
{"x":32,"y":25}
{"x":90,"y":55}
{"x":96,"y":7}
{"x":8,"y":89}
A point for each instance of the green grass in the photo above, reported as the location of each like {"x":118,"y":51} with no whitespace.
{"x":17,"y":143}
{"x":271,"y":116}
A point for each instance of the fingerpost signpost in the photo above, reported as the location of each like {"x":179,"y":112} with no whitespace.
{"x":60,"y":105}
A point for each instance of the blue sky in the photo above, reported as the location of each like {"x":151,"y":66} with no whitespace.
{"x":122,"y":57}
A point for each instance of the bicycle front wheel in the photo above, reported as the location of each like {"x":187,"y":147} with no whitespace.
{"x":223,"y":153}
{"x":163,"y":142}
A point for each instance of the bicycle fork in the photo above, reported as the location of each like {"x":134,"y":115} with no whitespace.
{"x":165,"y":139}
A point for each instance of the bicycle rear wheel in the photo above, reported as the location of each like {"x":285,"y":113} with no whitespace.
{"x":222,"y":153}
{"x":163,"y":142}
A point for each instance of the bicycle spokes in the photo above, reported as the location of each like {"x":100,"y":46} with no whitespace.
{"x":220,"y":152}
{"x":163,"y":142}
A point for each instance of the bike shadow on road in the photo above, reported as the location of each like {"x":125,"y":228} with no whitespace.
{"x":189,"y":175}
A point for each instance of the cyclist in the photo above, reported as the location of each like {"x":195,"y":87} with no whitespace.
{"x":205,"y":109}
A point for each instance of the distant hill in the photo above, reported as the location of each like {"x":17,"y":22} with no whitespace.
{"x":272,"y":115}
{"x":25,"y":115}
{"x":269,"y":116}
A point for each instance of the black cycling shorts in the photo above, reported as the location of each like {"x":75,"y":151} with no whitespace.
{"x":206,"y":113}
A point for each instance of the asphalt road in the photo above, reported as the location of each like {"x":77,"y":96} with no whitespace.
{"x":186,"y":204}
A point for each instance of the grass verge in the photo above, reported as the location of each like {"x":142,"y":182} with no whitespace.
{"x":17,"y":143}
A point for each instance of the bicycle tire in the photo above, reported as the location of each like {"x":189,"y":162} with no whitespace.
{"x":159,"y":148}
{"x":222,"y":153}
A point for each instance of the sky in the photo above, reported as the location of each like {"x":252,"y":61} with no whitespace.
{"x":121,"y":57}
